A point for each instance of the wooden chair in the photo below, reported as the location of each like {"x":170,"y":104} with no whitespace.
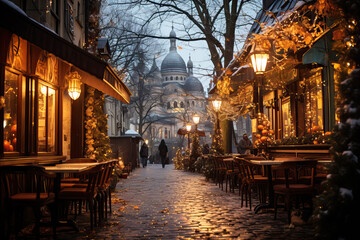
{"x":293,"y":187}
{"x":251,"y":180}
{"x":28,"y":186}
{"x":86,"y":193}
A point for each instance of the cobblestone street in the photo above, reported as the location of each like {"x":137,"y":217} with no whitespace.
{"x":156,"y":203}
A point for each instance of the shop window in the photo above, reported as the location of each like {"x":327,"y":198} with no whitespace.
{"x":314,"y":102}
{"x":46,"y":118}
{"x":288,"y":128}
{"x":11,"y":94}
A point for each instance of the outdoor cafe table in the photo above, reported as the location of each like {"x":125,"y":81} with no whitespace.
{"x":268,"y":164}
{"x":68,"y":168}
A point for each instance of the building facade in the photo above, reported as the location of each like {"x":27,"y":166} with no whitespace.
{"x":181,"y":95}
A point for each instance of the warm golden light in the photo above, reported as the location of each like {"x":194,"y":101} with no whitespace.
{"x":146,"y":141}
{"x":196,"y":119}
{"x":217,"y":105}
{"x":259,"y":59}
{"x":74,"y":89}
{"x":188,"y":127}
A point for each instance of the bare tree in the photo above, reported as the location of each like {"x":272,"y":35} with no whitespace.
{"x":223,"y":25}
{"x":146,"y":97}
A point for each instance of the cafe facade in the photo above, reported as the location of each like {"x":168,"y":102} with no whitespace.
{"x":293,"y":100}
{"x":44,"y":81}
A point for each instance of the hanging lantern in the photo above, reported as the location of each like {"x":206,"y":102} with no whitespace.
{"x":259,"y":58}
{"x":74,"y":89}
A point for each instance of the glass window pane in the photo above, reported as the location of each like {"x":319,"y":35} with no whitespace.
{"x":51,"y":119}
{"x":42,"y":118}
{"x":10,"y":111}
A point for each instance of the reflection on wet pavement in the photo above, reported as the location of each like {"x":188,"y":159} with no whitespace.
{"x":157,"y":203}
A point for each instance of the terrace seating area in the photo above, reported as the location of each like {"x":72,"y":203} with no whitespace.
{"x":66,"y":189}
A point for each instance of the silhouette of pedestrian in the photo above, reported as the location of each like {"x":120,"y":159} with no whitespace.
{"x":163,"y":151}
{"x":144,"y":153}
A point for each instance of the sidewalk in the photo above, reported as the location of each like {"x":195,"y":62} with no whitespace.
{"x":157,"y":203}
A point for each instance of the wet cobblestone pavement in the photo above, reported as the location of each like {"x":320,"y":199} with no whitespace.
{"x":156,"y":203}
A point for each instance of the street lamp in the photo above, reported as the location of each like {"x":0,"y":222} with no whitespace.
{"x":217,"y":105}
{"x":259,"y":58}
{"x":188,"y":129}
{"x":196,"y":119}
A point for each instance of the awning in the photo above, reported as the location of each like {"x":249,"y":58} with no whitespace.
{"x":16,"y":21}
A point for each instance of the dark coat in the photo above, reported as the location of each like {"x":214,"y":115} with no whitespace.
{"x":163,"y":150}
{"x":144,"y":151}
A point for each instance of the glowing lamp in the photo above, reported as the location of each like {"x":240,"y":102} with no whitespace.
{"x":217,"y":105}
{"x":74,"y":89}
{"x":196,"y":119}
{"x":146,"y":141}
{"x":188,"y":127}
{"x":259,"y":59}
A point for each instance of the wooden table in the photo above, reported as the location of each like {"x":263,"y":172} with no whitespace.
{"x":61,"y":169}
{"x":267,"y":164}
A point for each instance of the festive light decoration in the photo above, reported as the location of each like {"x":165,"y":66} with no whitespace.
{"x":74,"y":88}
{"x":188,"y":127}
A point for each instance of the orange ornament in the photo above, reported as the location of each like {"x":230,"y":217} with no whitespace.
{"x":14,"y":142}
{"x":271,"y":131}
{"x":258,"y":136}
{"x":263,"y":139}
{"x":11,"y":148}
{"x":315,"y":142}
{"x":13,"y":129}
{"x":327,"y":133}
{"x":265,"y":132}
{"x":6,"y":146}
{"x":260,"y":127}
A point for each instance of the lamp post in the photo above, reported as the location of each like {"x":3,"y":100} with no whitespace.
{"x":259,"y":58}
{"x":217,"y":105}
{"x":188,"y":129}
{"x":196,"y":119}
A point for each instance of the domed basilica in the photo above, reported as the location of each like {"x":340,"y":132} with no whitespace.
{"x":182,"y":95}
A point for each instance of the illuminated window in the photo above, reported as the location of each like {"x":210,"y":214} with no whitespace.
{"x":160,"y":133}
{"x":166,"y":133}
{"x":46,"y":118}
{"x":314,"y":102}
{"x":288,"y":128}
{"x":11,"y":111}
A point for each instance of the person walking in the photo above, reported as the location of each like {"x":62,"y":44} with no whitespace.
{"x":163,"y":151}
{"x":245,"y":145}
{"x":144,"y":153}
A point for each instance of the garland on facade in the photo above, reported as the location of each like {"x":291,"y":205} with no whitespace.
{"x":291,"y":32}
{"x":97,"y":143}
{"x":337,"y":208}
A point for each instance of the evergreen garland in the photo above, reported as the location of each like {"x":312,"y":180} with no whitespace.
{"x":97,"y":143}
{"x":196,"y":150}
{"x":337,"y":208}
{"x":216,"y":143}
